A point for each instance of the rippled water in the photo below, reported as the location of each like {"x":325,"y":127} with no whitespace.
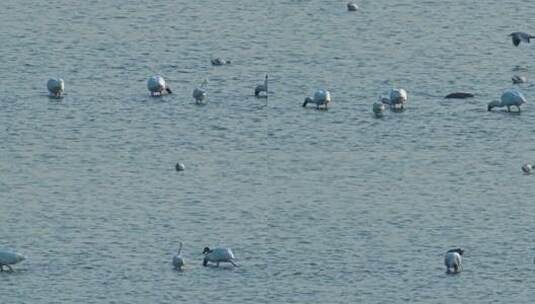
{"x":319,"y":206}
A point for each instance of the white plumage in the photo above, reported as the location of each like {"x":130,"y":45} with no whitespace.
{"x":157,"y":86}
{"x":511,"y":97}
{"x":519,"y":79}
{"x":8,"y":258}
{"x":199,"y":93}
{"x":219,"y":61}
{"x":527,"y":168}
{"x":218,"y":255}
{"x":453,"y":260}
{"x":352,"y":7}
{"x":321,"y":98}
{"x":56,"y":87}
{"x":178,"y":261}
{"x":397,"y":98}
{"x":262,"y":88}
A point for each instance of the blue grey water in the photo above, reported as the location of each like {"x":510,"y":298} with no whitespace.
{"x":319,"y":206}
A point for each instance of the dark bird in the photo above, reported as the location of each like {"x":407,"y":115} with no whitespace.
{"x":518,"y":37}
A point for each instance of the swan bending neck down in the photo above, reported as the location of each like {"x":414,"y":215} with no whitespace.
{"x":262,"y":88}
{"x":157,"y":86}
{"x":8,"y":258}
{"x":218,"y":255}
{"x":178,"y":261}
{"x":56,"y":87}
{"x":509,"y":98}
{"x":321,"y":98}
{"x":453,"y":260}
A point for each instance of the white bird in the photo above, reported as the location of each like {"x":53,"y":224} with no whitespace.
{"x":321,"y":98}
{"x":178,"y":261}
{"x":199,"y":94}
{"x":55,"y":87}
{"x":8,"y":258}
{"x":397,"y":98}
{"x":378,"y":108}
{"x":453,"y":260}
{"x":219,"y":61}
{"x":519,"y":79}
{"x":157,"y":86}
{"x":511,"y":97}
{"x":180,"y":167}
{"x":518,"y":37}
{"x":262,"y":88}
{"x":352,"y":7}
{"x":527,"y":168}
{"x":218,"y":255}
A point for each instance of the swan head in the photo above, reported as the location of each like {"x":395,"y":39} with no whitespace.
{"x":492,"y":104}
{"x":206,"y":250}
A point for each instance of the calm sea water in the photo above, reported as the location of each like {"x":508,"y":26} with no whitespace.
{"x":319,"y":206}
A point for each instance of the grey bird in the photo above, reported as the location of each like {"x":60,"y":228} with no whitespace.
{"x":518,"y":37}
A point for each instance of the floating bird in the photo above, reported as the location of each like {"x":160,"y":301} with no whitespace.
{"x":180,"y":167}
{"x":219,"y":61}
{"x":519,"y":79}
{"x":397,"y":99}
{"x":527,"y":168}
{"x":218,"y":255}
{"x":460,"y":95}
{"x":8,"y":258}
{"x":352,"y":7}
{"x":199,"y":94}
{"x":178,"y":261}
{"x":262,"y":88}
{"x":55,"y":87}
{"x":518,"y":37}
{"x":453,"y":260}
{"x":511,"y":97}
{"x":378,"y":108}
{"x":157,"y":86}
{"x":321,"y":98}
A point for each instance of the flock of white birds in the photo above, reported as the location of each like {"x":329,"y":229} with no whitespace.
{"x":396,"y":101}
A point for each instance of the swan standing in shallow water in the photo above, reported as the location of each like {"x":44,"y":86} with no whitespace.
{"x":157,"y":86}
{"x":511,"y":97}
{"x":218,"y":255}
{"x":262,"y":88}
{"x":453,"y":260}
{"x":321,"y":98}
{"x":8,"y":258}
{"x":527,"y":168}
{"x":199,"y":94}
{"x":518,"y":37}
{"x":178,"y":261}
{"x":56,"y":87}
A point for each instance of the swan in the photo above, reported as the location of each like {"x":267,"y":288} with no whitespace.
{"x":527,"y":168}
{"x":378,"y":108}
{"x":352,"y":7}
{"x":180,"y":167}
{"x":511,"y":97}
{"x":262,"y":88}
{"x":460,"y":95}
{"x":199,"y":94}
{"x":321,"y":98}
{"x":453,"y":260}
{"x":518,"y":37}
{"x":397,"y":99}
{"x":178,"y":261}
{"x":8,"y":258}
{"x":219,"y":61}
{"x":519,"y":79}
{"x":55,"y":87}
{"x":218,"y":255}
{"x":157,"y":86}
